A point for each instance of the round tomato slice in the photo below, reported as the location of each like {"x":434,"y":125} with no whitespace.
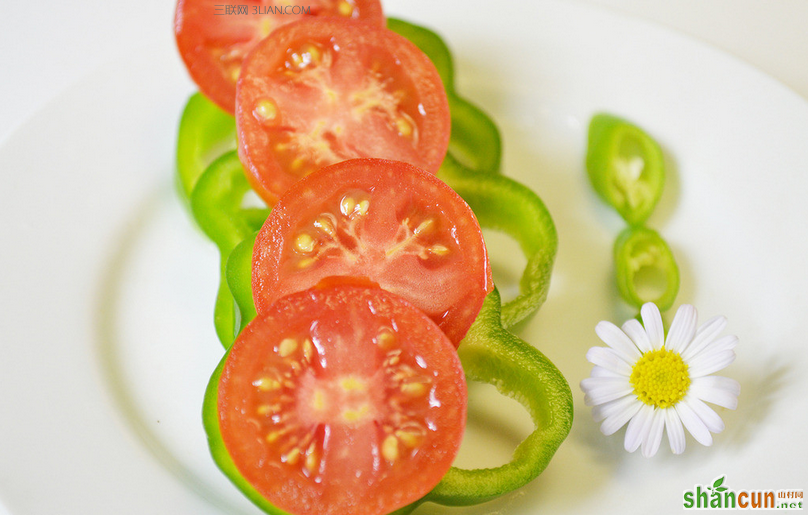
{"x":342,"y":399}
{"x":320,"y":91}
{"x":214,"y":37}
{"x":389,"y":221}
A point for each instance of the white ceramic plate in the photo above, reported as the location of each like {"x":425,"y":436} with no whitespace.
{"x":107,"y":289}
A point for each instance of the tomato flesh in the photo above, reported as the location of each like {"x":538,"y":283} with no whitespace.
{"x":214,"y":37}
{"x":342,"y":399}
{"x":320,"y":91}
{"x":388,"y":221}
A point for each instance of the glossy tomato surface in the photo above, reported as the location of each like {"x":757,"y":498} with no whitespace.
{"x":389,"y":221}
{"x":342,"y":399}
{"x":214,"y":37}
{"x":320,"y":91}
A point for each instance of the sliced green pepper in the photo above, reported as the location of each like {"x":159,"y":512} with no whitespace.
{"x":493,"y":355}
{"x":645,"y":267}
{"x":475,"y":140}
{"x":489,"y":354}
{"x":239,"y":279}
{"x":625,"y":166}
{"x":503,"y":204}
{"x":206,"y":132}
{"x":216,"y":203}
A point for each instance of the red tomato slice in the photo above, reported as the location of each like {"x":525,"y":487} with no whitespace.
{"x":213,"y":37}
{"x":342,"y":399}
{"x":389,"y":221}
{"x":320,"y":91}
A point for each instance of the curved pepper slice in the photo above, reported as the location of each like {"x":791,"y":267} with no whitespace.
{"x":625,"y":166}
{"x":216,"y":203}
{"x":475,"y":139}
{"x":646,"y":269}
{"x":504,"y":204}
{"x":238,"y":274}
{"x":493,"y":355}
{"x":206,"y":132}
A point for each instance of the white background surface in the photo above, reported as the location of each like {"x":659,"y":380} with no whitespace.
{"x":48,"y":46}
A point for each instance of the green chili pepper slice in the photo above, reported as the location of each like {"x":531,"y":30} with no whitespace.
{"x":206,"y":132}
{"x":475,"y":139}
{"x":646,"y":269}
{"x":625,"y":166}
{"x":489,"y":354}
{"x":216,"y":203}
{"x":503,"y":204}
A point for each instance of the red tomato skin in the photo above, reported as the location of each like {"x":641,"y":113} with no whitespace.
{"x":268,"y":177}
{"x":197,"y":22}
{"x":452,"y":298}
{"x":388,"y":486}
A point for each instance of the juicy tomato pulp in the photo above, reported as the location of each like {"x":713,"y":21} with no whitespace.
{"x":391,"y":222}
{"x":320,"y":91}
{"x":214,"y":37}
{"x":342,"y":399}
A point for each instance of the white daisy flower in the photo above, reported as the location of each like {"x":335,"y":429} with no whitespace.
{"x":655,"y":383}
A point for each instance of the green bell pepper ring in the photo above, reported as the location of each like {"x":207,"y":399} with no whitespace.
{"x":645,"y":267}
{"x":625,"y":166}
{"x":489,"y":354}
{"x":493,"y":355}
{"x":503,"y":204}
{"x":206,"y":132}
{"x":475,"y":139}
{"x":216,"y":203}
{"x":239,"y":279}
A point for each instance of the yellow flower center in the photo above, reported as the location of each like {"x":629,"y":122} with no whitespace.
{"x":660,"y":378}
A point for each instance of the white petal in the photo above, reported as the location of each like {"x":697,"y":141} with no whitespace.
{"x":694,"y":424}
{"x":638,"y":428}
{"x":617,"y":414}
{"x":602,"y":372}
{"x":718,"y":390}
{"x":650,"y":445}
{"x":676,"y":433}
{"x":683,"y":328}
{"x":617,"y":340}
{"x":652,"y":321}
{"x":724,"y":343}
{"x":706,"y":334}
{"x":633,"y":329}
{"x":602,"y":411}
{"x":608,"y":359}
{"x":604,"y":389}
{"x":706,"y":414}
{"x":707,"y":364}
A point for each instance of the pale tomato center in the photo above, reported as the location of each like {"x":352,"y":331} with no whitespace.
{"x":299,"y":401}
{"x":381,"y":102}
{"x":357,"y":237}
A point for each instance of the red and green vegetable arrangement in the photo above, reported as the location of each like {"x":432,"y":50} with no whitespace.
{"x":354,"y":309}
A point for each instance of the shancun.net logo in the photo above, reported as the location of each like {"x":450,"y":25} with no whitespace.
{"x":720,"y":497}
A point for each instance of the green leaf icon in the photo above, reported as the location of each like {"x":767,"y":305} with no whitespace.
{"x":718,"y":482}
{"x":721,"y":489}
